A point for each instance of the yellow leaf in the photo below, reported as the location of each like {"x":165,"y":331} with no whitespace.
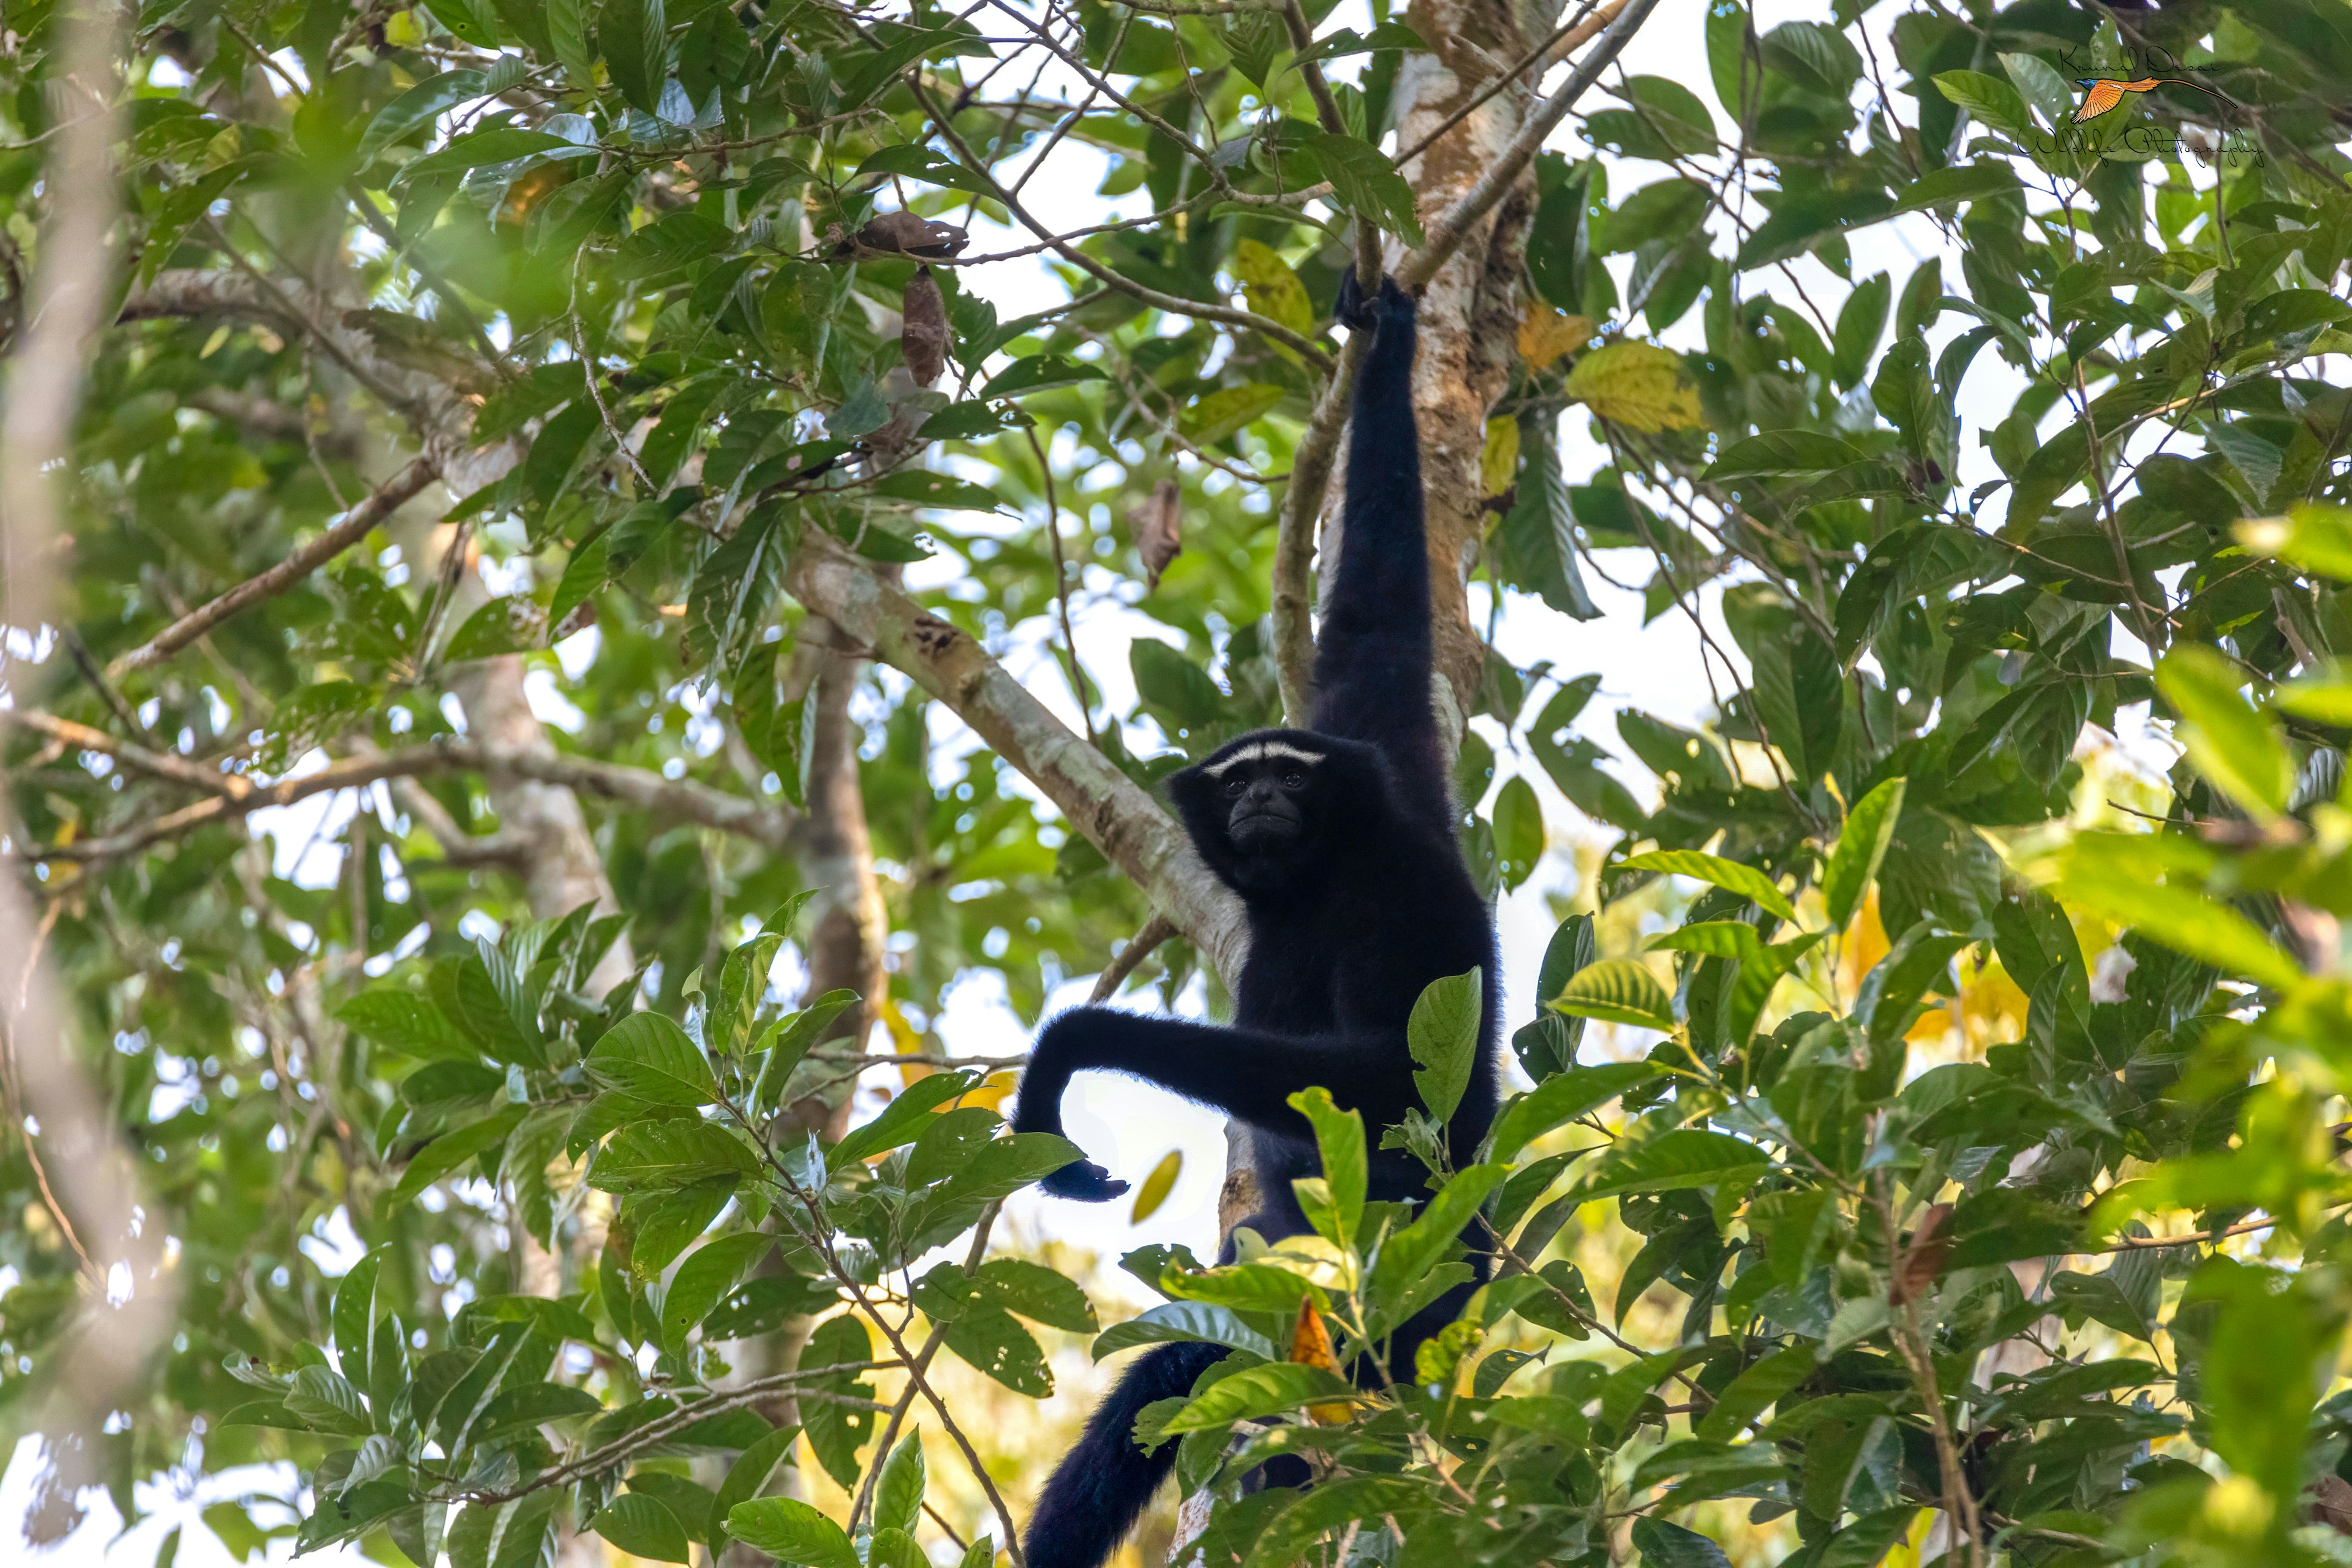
{"x":1273,"y":289}
{"x":1545,"y":335}
{"x":1310,"y":1345}
{"x":990,"y":1094}
{"x":1498,"y":465}
{"x":905,"y":1041}
{"x":1639,"y":386}
{"x":1156,"y":1187}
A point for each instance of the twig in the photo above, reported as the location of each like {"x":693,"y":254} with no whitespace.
{"x":1139,"y":946}
{"x":1569,"y":35}
{"x":236,"y":796}
{"x":1062,"y":588}
{"x":387,"y":499}
{"x":1327,"y":110}
{"x":1453,"y":225}
{"x":1200,"y":311}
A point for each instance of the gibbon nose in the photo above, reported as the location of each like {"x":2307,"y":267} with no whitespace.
{"x":1264,"y":817}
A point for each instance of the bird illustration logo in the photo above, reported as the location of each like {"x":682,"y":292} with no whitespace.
{"x":2102,"y":93}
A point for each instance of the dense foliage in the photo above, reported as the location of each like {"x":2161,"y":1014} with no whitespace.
{"x":1985,"y":1151}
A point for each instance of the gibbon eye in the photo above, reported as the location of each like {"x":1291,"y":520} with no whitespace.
{"x":1294,"y":779}
{"x":1235,"y":786}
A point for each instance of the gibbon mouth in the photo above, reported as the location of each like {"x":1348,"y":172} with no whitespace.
{"x":1264,"y":829}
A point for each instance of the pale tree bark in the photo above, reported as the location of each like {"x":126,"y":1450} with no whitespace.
{"x":1470,"y":307}
{"x":848,"y":926}
{"x":88,"y":1181}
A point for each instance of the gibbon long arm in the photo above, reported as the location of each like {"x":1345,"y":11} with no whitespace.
{"x":1373,"y":654}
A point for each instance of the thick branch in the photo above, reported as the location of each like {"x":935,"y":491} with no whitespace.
{"x":1118,"y":817}
{"x":355,"y":525}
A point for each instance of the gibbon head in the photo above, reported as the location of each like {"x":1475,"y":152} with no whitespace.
{"x":1268,"y":807}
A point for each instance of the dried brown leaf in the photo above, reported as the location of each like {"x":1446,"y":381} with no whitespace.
{"x":905,"y":234}
{"x":923,"y":328}
{"x":1158,"y":528}
{"x":1923,"y":1260}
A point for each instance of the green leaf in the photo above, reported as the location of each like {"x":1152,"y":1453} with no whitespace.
{"x":567,"y":30}
{"x":499,"y":144}
{"x":660,"y":1156}
{"x":2230,"y":742}
{"x":1988,"y":98}
{"x":1519,"y":829}
{"x":452,"y":1150}
{"x":327,"y":1401}
{"x":989,"y":1339}
{"x":899,"y":1490}
{"x":1039,"y":373}
{"x":1617,"y":991}
{"x":791,"y":1531}
{"x":635,"y":37}
{"x":642,"y":1527}
{"x":903,"y":1119}
{"x":1861,"y":849}
{"x":1780,"y":452}
{"x":1749,"y":1393}
{"x":1677,"y":114}
{"x":1664,"y":1545}
{"x":1228,"y":411}
{"x":404,"y":1021}
{"x":1409,"y":1255}
{"x":1859,"y":325}
{"x":748,"y":1475}
{"x":647,"y":1056}
{"x":420,"y":105}
{"x":1730,"y":875}
{"x":1273,"y":289}
{"x":1563,"y":1097}
{"x":1184,"y":1321}
{"x":1686,"y":1157}
{"x":2316,"y":537}
{"x":1367,"y":184}
{"x":1258,"y":1390}
{"x":1949,"y":186}
{"x":2122,"y":887}
{"x":703,"y":1279}
{"x":1339,"y":1136}
{"x":1443,"y":1034}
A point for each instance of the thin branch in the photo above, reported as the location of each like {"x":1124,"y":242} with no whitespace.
{"x":1079,"y":688}
{"x":1453,"y":225}
{"x":1327,"y":110}
{"x":1569,"y":35}
{"x":356,"y":524}
{"x":1312,"y":353}
{"x":1293,"y":540}
{"x":236,"y":796}
{"x":1139,"y":946}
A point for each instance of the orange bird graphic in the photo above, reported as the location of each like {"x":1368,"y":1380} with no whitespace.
{"x":2105,"y":93}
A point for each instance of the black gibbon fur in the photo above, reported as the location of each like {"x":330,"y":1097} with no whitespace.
{"x":1341,"y":841}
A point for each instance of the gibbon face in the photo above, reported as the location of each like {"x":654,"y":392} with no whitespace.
{"x":1266,"y":790}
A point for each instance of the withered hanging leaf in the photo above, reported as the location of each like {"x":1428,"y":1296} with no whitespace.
{"x":1158,"y":528}
{"x":923,"y":329}
{"x":901,"y":233}
{"x":1310,"y":1345}
{"x":1923,"y":1260}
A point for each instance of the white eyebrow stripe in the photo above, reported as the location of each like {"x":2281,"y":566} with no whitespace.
{"x":1258,"y":752}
